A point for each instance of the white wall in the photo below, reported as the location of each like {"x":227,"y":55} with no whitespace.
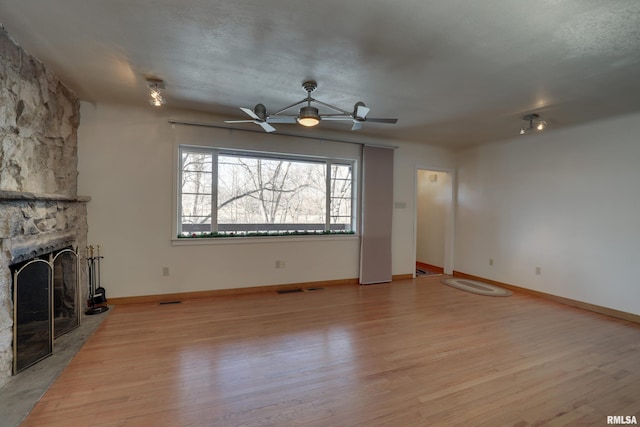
{"x":566,"y":201}
{"x":434,"y":196}
{"x":407,"y":159}
{"x":126,"y":165}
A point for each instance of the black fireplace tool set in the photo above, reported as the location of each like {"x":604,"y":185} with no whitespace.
{"x":97,"y":294}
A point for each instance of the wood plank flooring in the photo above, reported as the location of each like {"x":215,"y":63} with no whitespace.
{"x":410,"y":353}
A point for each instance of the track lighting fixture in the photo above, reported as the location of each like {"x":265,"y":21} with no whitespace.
{"x":535,"y":123}
{"x":155,"y":92}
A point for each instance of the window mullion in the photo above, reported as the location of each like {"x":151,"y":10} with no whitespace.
{"x":180,"y":181}
{"x":327,"y":225}
{"x":214,"y":191}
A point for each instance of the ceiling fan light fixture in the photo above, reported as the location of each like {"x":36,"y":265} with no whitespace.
{"x":309,"y":116}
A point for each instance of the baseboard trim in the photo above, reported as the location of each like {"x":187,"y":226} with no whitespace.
{"x":430,"y":267}
{"x":397,"y":277}
{"x":562,"y":300}
{"x":145,"y":299}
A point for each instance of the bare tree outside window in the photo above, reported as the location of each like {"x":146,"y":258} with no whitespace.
{"x":197,"y":189}
{"x":254,"y":190}
{"x":341,"y":193}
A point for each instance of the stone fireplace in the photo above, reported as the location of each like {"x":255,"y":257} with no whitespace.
{"x":66,"y":230}
{"x":40,"y":211}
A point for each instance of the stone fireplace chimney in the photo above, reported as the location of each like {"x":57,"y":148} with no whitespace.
{"x":40,"y":210}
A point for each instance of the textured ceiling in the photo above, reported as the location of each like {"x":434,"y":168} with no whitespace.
{"x":455,"y":73}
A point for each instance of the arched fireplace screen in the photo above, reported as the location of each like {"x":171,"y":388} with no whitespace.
{"x":66,"y":299}
{"x":32,"y":325}
{"x":46,"y":305}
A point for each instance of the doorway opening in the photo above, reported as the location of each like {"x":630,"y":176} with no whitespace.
{"x":434,"y":221}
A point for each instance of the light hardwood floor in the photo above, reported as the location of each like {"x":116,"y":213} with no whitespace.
{"x":411,"y":353}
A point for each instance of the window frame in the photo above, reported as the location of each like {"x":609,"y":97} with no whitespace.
{"x":215,"y":151}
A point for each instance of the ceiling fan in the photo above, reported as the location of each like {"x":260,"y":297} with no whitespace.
{"x":309,"y":115}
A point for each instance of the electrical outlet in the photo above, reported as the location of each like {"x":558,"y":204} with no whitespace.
{"x":490,"y":261}
{"x":538,"y":271}
{"x":165,"y":271}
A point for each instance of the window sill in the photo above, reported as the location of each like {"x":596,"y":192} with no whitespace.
{"x":262,"y":239}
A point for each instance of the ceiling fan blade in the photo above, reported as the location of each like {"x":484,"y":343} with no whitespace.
{"x":282,"y":119}
{"x":250,"y":113}
{"x":392,"y":121}
{"x":340,"y":117}
{"x":266,"y":126}
{"x":356,"y":125}
{"x":362,"y":111}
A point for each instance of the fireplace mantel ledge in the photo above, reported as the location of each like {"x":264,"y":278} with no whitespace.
{"x":26,"y":196}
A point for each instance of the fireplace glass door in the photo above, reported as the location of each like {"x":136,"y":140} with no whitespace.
{"x":33,"y":329}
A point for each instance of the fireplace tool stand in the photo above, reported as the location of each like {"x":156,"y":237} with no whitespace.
{"x":97,"y":295}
